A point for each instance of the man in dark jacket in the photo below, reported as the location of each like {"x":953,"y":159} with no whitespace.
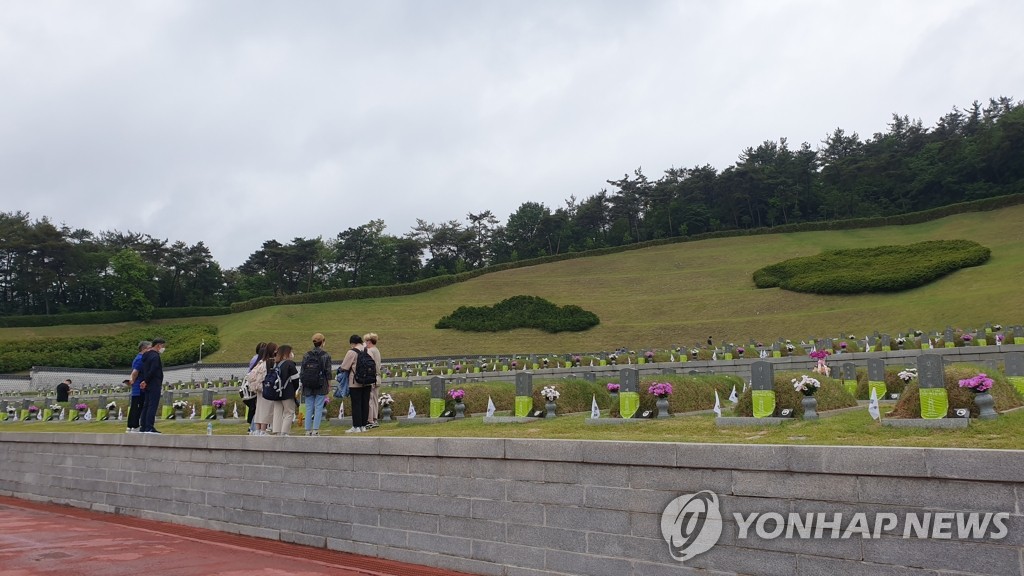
{"x":63,"y":390}
{"x":151,"y":378}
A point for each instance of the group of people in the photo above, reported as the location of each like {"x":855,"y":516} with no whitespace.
{"x":275,"y":384}
{"x":146,"y":380}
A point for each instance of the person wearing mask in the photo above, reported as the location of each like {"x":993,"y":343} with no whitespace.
{"x":264,"y":408}
{"x":284,"y":409}
{"x":370,"y":342}
{"x":137,"y":398}
{"x":359,"y":393}
{"x":151,"y":382}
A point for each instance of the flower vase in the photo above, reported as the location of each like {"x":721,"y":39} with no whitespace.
{"x":179,"y":414}
{"x":986,"y":406}
{"x":220,"y":413}
{"x":549,"y":410}
{"x":385,"y":414}
{"x":810,"y":404}
{"x":460,"y":410}
{"x":662,"y":404}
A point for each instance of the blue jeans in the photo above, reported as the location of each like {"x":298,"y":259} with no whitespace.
{"x":314,"y":411}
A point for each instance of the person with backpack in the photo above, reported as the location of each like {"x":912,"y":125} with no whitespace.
{"x":255,"y":380}
{"x":315,"y":378}
{"x":287,"y":386}
{"x":248,"y":396}
{"x":370,"y":341}
{"x":362,"y":374}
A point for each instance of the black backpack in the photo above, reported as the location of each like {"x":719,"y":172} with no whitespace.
{"x":312,"y":374}
{"x":366,"y":368}
{"x":273,"y":388}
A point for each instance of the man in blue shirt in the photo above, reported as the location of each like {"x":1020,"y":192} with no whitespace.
{"x":151,"y":378}
{"x":137,"y":398}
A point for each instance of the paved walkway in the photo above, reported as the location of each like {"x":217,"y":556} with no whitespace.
{"x":40,"y":539}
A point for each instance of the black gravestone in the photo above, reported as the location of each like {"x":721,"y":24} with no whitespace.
{"x":762,"y":375}
{"x":1015,"y":364}
{"x":849,"y":371}
{"x":437,"y":387}
{"x":524,"y":384}
{"x":590,"y":377}
{"x":629,"y":380}
{"x":876,"y":369}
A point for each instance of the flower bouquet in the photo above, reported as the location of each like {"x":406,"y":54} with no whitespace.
{"x":967,"y":338}
{"x":613,"y":387}
{"x":908,"y":374}
{"x":457,"y":395}
{"x":180,"y":404}
{"x":660,"y":389}
{"x":978,"y":384}
{"x":220,"y":403}
{"x":385,"y":400}
{"x":550,"y":394}
{"x":806,"y":385}
{"x":649,"y":356}
{"x":694,"y":352}
{"x":821,"y":368}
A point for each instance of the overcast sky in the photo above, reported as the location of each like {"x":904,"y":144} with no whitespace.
{"x":233,"y":122}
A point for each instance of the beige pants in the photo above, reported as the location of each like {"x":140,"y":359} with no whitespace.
{"x":284,"y":413}
{"x":374,"y":406}
{"x":264,"y":410}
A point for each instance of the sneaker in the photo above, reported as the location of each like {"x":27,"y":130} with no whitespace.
{"x":372,"y":425}
{"x":132,"y":431}
{"x":153,"y":431}
{"x":309,"y":432}
{"x":362,"y":429}
{"x":316,"y":433}
{"x":351,"y":430}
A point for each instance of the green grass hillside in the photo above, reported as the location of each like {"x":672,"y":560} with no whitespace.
{"x":658,"y":297}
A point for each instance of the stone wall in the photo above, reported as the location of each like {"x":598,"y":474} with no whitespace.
{"x":530,"y":507}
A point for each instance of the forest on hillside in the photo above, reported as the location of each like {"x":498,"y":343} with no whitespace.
{"x":968,"y":154}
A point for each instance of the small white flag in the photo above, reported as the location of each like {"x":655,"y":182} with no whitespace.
{"x":119,"y":413}
{"x":192,"y":416}
{"x":764,"y":354}
{"x":733,"y":397}
{"x":412,"y":410}
{"x":873,"y":406}
{"x":490,"y":407}
{"x":591,"y":361}
{"x":234,"y":410}
{"x":714,"y":355}
{"x":671,"y":357}
{"x":88,"y":414}
{"x":718,"y":405}
{"x":629,"y":360}
{"x":595,"y":412}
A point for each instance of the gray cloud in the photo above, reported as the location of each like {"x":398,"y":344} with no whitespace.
{"x":224,"y":121}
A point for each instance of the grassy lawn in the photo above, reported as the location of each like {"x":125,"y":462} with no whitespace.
{"x":660,"y":297}
{"x":852,"y":428}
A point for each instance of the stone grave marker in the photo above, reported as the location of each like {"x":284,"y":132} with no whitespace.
{"x":437,"y":398}
{"x":762,"y":382}
{"x":590,"y":377}
{"x":524,"y":394}
{"x":776,"y":350}
{"x":166,"y":405}
{"x":629,"y":392}
{"x":668,"y":370}
{"x":886,"y":343}
{"x":206,"y":408}
{"x":930,"y":378}
{"x":876,"y":377}
{"x":730,"y":352}
{"x":1015,"y":370}
{"x":849,"y":374}
{"x":872,"y":342}
{"x":101,"y":408}
{"x":3,"y":410}
{"x":950,"y":338}
{"x":1018,"y":334}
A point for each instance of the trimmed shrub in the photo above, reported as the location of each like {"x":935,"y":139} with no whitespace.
{"x":107,"y":317}
{"x":108,"y":351}
{"x":1005,"y":395}
{"x":878,"y":269}
{"x":831,"y":396}
{"x":520,"y":312}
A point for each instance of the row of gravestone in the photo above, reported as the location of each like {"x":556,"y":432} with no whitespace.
{"x":167,"y":410}
{"x":930,"y":377}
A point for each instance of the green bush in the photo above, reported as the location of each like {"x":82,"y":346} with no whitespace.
{"x":108,"y":351}
{"x":107,"y":317}
{"x":878,"y":269}
{"x":520,"y":312}
{"x":1005,"y":395}
{"x":831,"y":396}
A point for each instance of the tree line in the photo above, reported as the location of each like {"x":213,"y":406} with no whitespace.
{"x":968,"y":154}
